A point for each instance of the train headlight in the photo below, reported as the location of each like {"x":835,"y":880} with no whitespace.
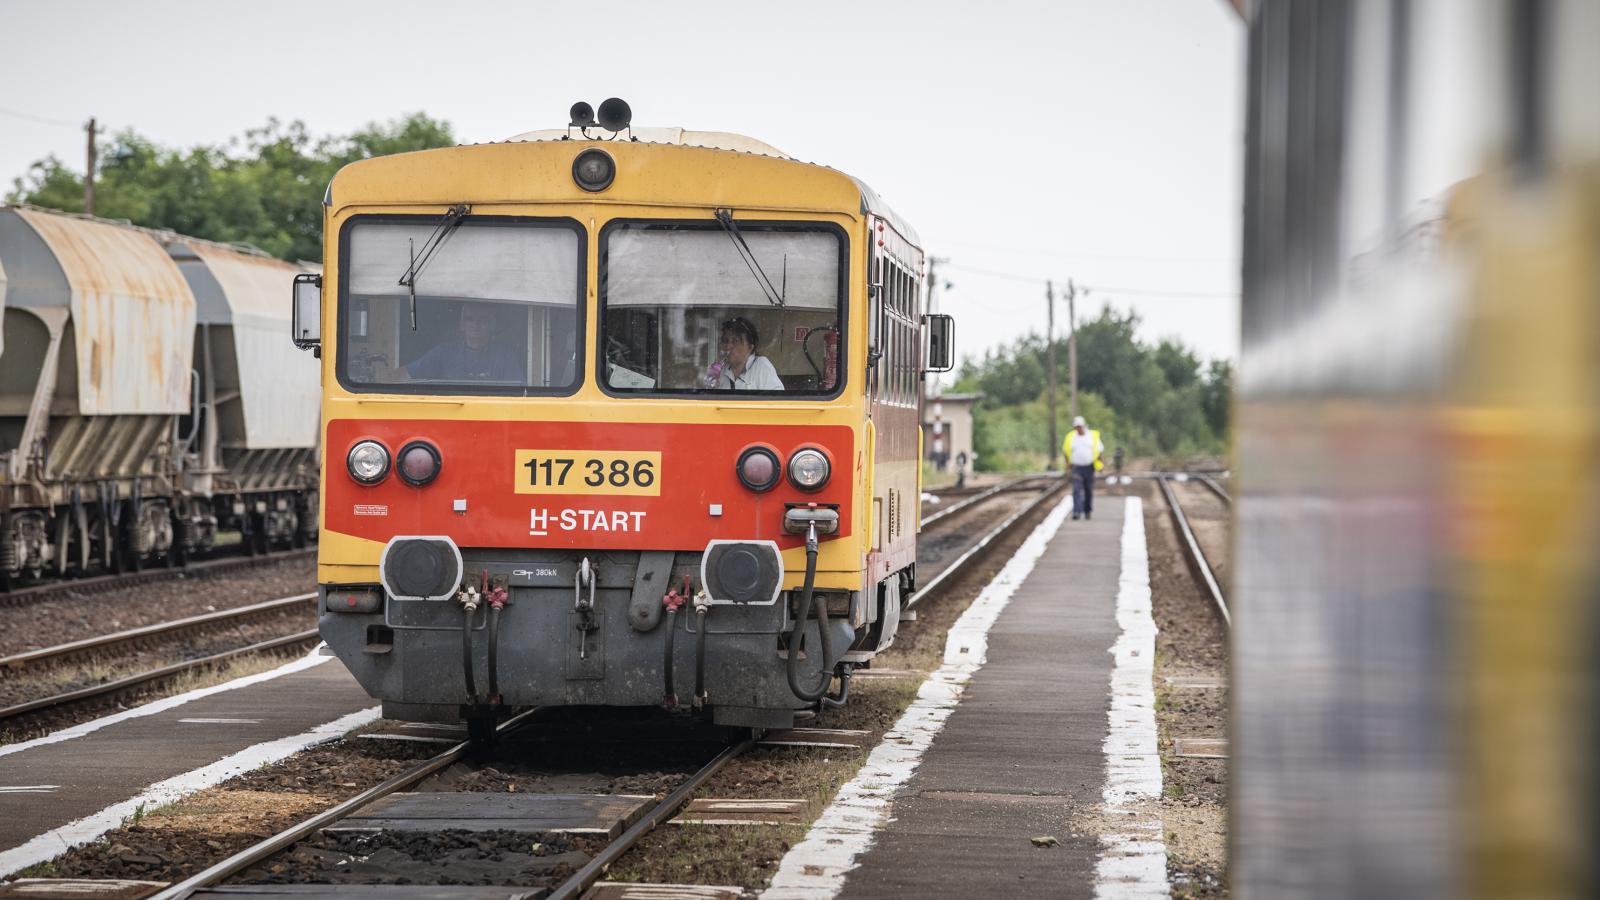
{"x":758,"y":469}
{"x":594,"y":170}
{"x":419,"y":463}
{"x":368,"y":462}
{"x":808,"y":469}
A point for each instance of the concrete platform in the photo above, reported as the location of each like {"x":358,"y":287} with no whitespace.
{"x":1023,"y":750}
{"x":77,"y":777}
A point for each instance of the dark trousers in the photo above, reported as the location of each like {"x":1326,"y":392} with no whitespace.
{"x":1082,"y":490}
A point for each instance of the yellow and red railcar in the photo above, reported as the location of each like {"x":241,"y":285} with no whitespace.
{"x":608,"y":422}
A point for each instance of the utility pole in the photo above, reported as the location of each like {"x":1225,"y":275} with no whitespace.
{"x":1050,"y":355}
{"x":1072,"y":341}
{"x":88,"y":173}
{"x":931,"y":389}
{"x":930,"y":386}
{"x":932,"y":306}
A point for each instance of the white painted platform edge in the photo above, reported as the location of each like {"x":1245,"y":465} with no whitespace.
{"x":816,"y":867}
{"x":56,"y":841}
{"x":157,"y":706}
{"x":1133,"y":860}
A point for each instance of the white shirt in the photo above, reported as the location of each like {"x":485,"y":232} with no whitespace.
{"x":759,"y":375}
{"x":1083,"y":448}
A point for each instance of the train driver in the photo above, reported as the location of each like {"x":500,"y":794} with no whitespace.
{"x":738,"y":366}
{"x":474,"y":356}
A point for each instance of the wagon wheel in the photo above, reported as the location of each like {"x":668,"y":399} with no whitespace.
{"x":63,"y":539}
{"x":302,"y":532}
{"x":110,"y":549}
{"x":178,"y":556}
{"x":255,"y":540}
{"x":128,"y":543}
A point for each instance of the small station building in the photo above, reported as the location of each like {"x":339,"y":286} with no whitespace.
{"x":947,"y":430}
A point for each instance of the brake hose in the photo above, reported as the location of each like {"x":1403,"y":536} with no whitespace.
{"x":701,"y":605}
{"x":466,"y":652}
{"x":797,"y":633}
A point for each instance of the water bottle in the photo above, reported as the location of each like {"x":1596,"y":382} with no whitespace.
{"x":714,"y":374}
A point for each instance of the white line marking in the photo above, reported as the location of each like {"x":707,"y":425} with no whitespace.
{"x":1133,"y":860}
{"x":164,"y":704}
{"x":219,"y":721}
{"x":816,"y":866}
{"x":56,"y":841}
{"x":28,"y":788}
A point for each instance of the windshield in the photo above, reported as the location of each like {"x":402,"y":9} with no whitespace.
{"x":491,"y":305}
{"x":702,"y":308}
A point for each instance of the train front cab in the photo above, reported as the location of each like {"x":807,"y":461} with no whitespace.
{"x":578,"y":510}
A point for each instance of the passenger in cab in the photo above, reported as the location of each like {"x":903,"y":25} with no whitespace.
{"x":739,"y":367}
{"x":474,"y":356}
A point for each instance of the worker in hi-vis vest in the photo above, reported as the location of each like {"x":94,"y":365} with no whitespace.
{"x":1083,"y":449}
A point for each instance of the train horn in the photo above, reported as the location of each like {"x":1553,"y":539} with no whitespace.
{"x":615,"y":114}
{"x":582,"y":115}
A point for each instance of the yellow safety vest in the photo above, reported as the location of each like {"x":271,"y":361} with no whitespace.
{"x":1099,"y":448}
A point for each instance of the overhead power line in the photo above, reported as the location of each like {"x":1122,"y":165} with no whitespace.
{"x":1073,"y":254}
{"x":1097,"y":288}
{"x":43,"y":120}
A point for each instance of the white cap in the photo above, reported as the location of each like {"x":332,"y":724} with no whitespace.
{"x":1077,"y":420}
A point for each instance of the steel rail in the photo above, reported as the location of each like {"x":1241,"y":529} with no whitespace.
{"x":159,"y":629}
{"x":995,"y":533}
{"x":132,"y":681}
{"x":1197,"y":558}
{"x":952,"y":510}
{"x":584,"y":878}
{"x":979,"y":497}
{"x":97,"y":584}
{"x":1219,"y":490}
{"x":261,"y":850}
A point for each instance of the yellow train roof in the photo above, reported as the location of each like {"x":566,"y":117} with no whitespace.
{"x":659,"y":166}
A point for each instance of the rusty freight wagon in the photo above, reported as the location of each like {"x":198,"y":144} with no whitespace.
{"x":144,"y":403}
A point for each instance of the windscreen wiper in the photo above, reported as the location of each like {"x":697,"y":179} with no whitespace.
{"x":774,"y":295}
{"x":441,"y":231}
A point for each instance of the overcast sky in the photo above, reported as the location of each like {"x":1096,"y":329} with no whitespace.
{"x":1098,"y":140}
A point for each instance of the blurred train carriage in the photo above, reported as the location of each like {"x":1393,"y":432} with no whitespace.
{"x":615,"y":422}
{"x":1415,"y":580}
{"x":145,"y":398}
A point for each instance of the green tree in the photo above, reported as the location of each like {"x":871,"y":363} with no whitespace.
{"x":1216,"y":395}
{"x":264,"y":189}
{"x":1180,"y":366}
{"x":1146,"y":399}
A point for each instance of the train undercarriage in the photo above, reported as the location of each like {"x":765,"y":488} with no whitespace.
{"x":587,"y":628}
{"x":107,"y":534}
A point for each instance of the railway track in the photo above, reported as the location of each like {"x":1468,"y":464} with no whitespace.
{"x":572,"y":887}
{"x":1053,"y":486}
{"x":98,"y":584}
{"x":1214,"y":487}
{"x":1196,"y":556}
{"x":49,"y":656}
{"x":983,"y":527}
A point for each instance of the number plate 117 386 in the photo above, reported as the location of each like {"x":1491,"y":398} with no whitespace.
{"x":634,"y":473}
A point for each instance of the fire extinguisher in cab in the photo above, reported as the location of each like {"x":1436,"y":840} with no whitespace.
{"x":830,"y":359}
